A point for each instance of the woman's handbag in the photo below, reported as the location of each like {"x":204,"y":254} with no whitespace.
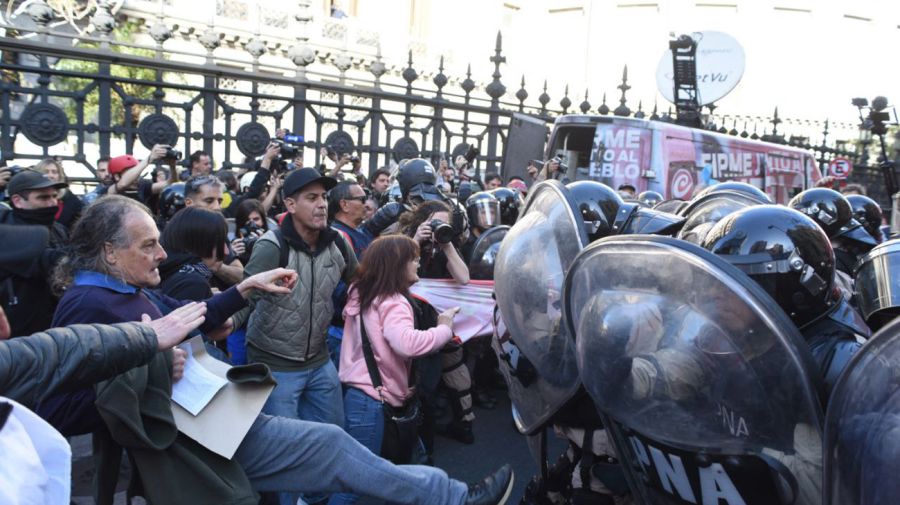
{"x":401,"y":424}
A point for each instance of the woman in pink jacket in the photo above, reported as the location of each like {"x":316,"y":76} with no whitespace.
{"x":379,"y":298}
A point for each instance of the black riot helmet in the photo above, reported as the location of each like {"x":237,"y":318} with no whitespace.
{"x":831,"y":210}
{"x":483,"y":210}
{"x":510,"y":203}
{"x":171,"y":200}
{"x":868,"y":213}
{"x":604,"y":213}
{"x":416,"y":178}
{"x":598,"y":205}
{"x":649,"y":198}
{"x":785,"y":252}
{"x":740,"y":187}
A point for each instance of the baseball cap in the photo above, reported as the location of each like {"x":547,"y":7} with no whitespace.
{"x":299,"y":179}
{"x":27,"y":180}
{"x":122,"y":163}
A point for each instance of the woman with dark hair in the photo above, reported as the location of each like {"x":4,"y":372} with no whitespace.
{"x":379,"y":318}
{"x":439,"y":260}
{"x":249,"y":224}
{"x":195,"y":242}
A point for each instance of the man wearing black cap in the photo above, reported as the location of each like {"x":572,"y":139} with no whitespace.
{"x":25,"y":292}
{"x":289,"y":336}
{"x":34,"y":202}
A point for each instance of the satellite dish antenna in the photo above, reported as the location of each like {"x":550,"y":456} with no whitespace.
{"x":720,"y":66}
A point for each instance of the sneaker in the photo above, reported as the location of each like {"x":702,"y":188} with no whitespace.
{"x":494,"y":489}
{"x":461,"y":431}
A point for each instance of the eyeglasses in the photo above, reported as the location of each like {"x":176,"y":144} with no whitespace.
{"x":360,"y":199}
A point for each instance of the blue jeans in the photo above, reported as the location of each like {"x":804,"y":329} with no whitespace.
{"x":333,"y":340}
{"x":280,"y":454}
{"x":364,"y":421}
{"x":310,"y":395}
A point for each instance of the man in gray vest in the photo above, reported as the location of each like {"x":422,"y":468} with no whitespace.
{"x":289,"y":333}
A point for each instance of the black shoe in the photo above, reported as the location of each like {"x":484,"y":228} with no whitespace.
{"x":484,"y":399}
{"x":494,"y":489}
{"x":461,"y":431}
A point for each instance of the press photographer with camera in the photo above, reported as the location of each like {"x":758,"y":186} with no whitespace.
{"x":249,"y":224}
{"x":125,"y":172}
{"x":270,"y":165}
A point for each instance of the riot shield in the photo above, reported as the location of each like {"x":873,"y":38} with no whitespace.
{"x":878,"y":283}
{"x":862,"y":427}
{"x":705,"y":384}
{"x":536,"y":355}
{"x":484,"y":253}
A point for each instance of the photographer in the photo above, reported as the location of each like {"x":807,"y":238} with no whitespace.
{"x":554,"y":168}
{"x":258,"y":182}
{"x":249,"y":224}
{"x":125,"y":172}
{"x":465,"y":171}
{"x":381,"y":181}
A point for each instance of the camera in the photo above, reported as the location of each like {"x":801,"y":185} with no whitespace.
{"x":172,"y":154}
{"x":471,"y":154}
{"x":13,"y":170}
{"x":354,"y":158}
{"x":248,"y":234}
{"x":441,"y":232}
{"x":290,"y":145}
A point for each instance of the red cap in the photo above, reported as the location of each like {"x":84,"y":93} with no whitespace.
{"x":122,"y":163}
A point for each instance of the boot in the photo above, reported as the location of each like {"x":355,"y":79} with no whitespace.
{"x":493,"y":490}
{"x":461,"y":431}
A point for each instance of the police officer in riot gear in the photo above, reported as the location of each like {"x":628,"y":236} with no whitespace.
{"x":790,"y":256}
{"x":604,"y":213}
{"x":703,"y":213}
{"x":170,"y":201}
{"x":416,"y":181}
{"x":511,"y":202}
{"x":831,"y":210}
{"x":868,"y":213}
{"x":483,"y":212}
{"x":649,"y":199}
{"x":537,"y":353}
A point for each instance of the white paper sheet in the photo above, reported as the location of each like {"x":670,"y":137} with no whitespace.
{"x":198,"y":386}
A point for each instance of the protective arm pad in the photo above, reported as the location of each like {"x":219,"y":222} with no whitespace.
{"x":384,"y":217}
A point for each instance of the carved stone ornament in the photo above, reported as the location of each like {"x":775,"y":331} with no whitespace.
{"x":44,"y":124}
{"x":405,"y":148}
{"x":252,"y":139}
{"x":157,"y":129}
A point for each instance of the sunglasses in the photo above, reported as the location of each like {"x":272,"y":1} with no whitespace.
{"x":360,"y":199}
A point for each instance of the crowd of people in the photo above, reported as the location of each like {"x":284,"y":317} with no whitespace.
{"x":308,"y":271}
{"x":271,"y":264}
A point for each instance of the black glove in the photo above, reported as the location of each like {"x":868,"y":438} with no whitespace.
{"x":387,"y":215}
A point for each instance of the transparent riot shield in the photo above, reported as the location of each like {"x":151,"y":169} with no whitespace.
{"x":536,"y":354}
{"x":878,"y":283}
{"x":484,"y":253}
{"x":862,"y":427}
{"x":705,"y":384}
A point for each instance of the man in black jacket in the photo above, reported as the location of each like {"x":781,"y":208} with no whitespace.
{"x":24,"y":288}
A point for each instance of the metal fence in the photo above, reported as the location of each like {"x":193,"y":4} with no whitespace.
{"x":109,"y":94}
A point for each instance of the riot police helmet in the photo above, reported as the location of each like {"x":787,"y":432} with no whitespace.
{"x":868,"y":213}
{"x":785,"y":252}
{"x":483,"y":210}
{"x":416,"y":178}
{"x":510,"y":203}
{"x":171,"y":200}
{"x":709,"y":209}
{"x":598,"y":206}
{"x":740,"y":187}
{"x":831,"y":210}
{"x":649,"y":198}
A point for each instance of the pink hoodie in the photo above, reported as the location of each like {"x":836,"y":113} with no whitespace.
{"x":389,"y":326}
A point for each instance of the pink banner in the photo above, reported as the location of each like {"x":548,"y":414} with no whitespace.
{"x":475,"y":301}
